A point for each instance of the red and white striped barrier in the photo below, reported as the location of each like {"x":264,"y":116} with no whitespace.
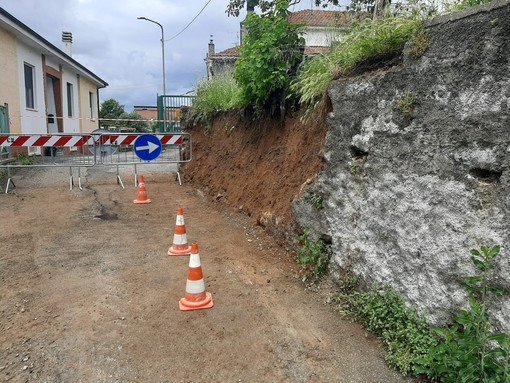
{"x":46,"y":141}
{"x":81,"y":140}
{"x":97,"y":148}
{"x":113,"y":139}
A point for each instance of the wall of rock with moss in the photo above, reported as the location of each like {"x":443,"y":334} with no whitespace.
{"x":417,"y":166}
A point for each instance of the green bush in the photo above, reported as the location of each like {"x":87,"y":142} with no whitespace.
{"x":270,"y":53}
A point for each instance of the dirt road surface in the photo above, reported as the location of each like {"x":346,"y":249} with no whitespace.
{"x":89,"y":294}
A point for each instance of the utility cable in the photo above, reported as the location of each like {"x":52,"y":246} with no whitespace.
{"x":186,"y":27}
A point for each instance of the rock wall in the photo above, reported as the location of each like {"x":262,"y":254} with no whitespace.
{"x":417,"y":166}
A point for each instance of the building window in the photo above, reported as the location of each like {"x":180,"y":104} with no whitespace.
{"x":70,"y":100}
{"x":91,"y":105}
{"x":29,"y":87}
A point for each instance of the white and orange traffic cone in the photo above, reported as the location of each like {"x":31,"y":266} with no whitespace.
{"x":180,"y":244}
{"x":142,"y":193}
{"x":196,"y":297}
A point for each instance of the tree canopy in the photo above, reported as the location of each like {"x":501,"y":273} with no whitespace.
{"x":110,"y":110}
{"x":113,"y":114}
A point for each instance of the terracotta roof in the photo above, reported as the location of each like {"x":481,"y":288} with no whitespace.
{"x":233,"y":53}
{"x":227,"y":53}
{"x":318,"y":18}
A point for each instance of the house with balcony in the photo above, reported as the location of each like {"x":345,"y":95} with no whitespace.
{"x":43,"y":90}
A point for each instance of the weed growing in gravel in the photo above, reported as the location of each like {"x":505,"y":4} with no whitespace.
{"x":24,"y":159}
{"x":405,"y":334}
{"x":314,"y":254}
{"x":470,"y":351}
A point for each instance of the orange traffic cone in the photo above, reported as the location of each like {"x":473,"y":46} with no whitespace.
{"x":142,"y":193}
{"x":196,"y":297}
{"x":180,"y":245}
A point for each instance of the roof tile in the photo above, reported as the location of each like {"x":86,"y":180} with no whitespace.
{"x":319,"y":18}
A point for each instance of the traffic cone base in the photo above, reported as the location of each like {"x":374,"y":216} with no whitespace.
{"x":147,"y":200}
{"x":188,"y":305}
{"x":141,"y":198}
{"x":179,"y":250}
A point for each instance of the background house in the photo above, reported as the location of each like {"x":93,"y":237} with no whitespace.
{"x":321,"y":30}
{"x":42,"y":88}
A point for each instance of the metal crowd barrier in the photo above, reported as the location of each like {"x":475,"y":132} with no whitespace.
{"x":99,"y":148}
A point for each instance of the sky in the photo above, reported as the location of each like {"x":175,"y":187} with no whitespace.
{"x":109,"y":40}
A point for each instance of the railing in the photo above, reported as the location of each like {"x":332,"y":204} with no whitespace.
{"x":99,"y":148}
{"x":169,"y":112}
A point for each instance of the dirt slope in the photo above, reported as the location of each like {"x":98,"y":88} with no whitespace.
{"x":257,"y":168}
{"x":88,"y":293}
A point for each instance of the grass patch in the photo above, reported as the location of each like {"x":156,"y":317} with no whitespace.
{"x":420,"y":43}
{"x":406,"y":104}
{"x":368,"y":39}
{"x":317,"y":201}
{"x":220,"y":93}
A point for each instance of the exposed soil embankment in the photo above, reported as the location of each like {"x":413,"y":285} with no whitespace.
{"x":258,"y":168}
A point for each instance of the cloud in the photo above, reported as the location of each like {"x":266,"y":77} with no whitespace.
{"x":126,"y":52}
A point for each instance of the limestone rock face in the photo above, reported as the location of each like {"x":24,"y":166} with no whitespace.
{"x":417,"y":167}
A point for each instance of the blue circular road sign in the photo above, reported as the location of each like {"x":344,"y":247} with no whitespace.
{"x":147,"y":147}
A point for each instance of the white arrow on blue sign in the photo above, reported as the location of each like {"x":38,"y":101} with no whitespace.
{"x":147,"y":147}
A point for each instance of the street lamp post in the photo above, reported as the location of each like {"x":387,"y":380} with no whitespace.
{"x":162,"y":49}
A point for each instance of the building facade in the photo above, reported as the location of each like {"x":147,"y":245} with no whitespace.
{"x":43,"y":90}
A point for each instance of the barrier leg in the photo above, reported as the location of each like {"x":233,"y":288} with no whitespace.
{"x":79,"y":178}
{"x":178,"y":175}
{"x":9,"y":180}
{"x":119,"y":181}
{"x":136,"y":177}
{"x":71,"y":183}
